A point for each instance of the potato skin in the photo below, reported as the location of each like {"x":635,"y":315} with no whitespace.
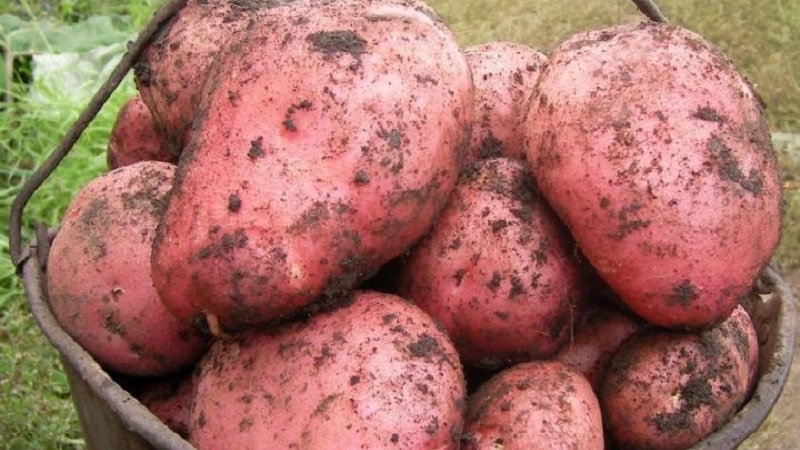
{"x":505,"y":76}
{"x":170,"y":400}
{"x":497,"y":269}
{"x":535,"y":405}
{"x":349,"y":162}
{"x":98,"y":275}
{"x":172,"y":71}
{"x":377,"y":373}
{"x":135,"y":137}
{"x":656,"y":155}
{"x":669,"y":389}
{"x":597,"y":338}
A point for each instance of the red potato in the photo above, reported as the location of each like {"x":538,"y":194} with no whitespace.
{"x":135,"y":137}
{"x":170,"y":400}
{"x":596,"y":340}
{"x":669,"y":389}
{"x":655,"y":153}
{"x":497,"y":269}
{"x":172,"y":72}
{"x":505,"y":76}
{"x":745,"y":317}
{"x":376,"y":373}
{"x":541,"y":405}
{"x":319,"y":159}
{"x":98,"y":275}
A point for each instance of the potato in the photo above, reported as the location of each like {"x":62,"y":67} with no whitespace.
{"x":497,"y":269}
{"x":376,"y":373}
{"x":597,"y":338}
{"x":669,"y":389}
{"x":98,"y":275}
{"x":505,"y":76}
{"x":172,"y":71}
{"x":135,"y":137}
{"x":655,"y":153}
{"x":319,"y":158}
{"x":170,"y":400}
{"x":530,"y":406}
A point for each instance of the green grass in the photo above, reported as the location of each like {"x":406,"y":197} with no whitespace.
{"x":36,"y":407}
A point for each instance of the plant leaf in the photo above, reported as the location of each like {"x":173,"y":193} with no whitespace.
{"x":47,"y":36}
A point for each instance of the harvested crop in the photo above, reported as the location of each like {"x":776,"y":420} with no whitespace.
{"x":497,"y":269}
{"x":98,"y":275}
{"x":317,"y":159}
{"x":654,"y":151}
{"x":376,"y":373}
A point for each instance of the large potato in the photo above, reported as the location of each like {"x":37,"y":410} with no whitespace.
{"x":377,"y":373}
{"x":497,"y":269}
{"x":98,"y":275}
{"x":669,"y":389}
{"x":655,"y":153}
{"x":541,"y":405}
{"x":330,"y":139}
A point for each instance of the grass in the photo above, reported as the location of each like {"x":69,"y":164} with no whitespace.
{"x":788,"y":148}
{"x":37,"y":410}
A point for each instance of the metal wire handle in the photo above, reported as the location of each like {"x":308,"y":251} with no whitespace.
{"x":650,"y":9}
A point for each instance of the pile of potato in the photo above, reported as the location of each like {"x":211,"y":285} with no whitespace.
{"x":327,"y":225}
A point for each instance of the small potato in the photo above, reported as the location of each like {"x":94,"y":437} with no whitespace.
{"x":98,"y":275}
{"x":170,"y":400}
{"x":505,"y":76}
{"x":596,"y":340}
{"x":376,"y":373}
{"x":136,"y":137}
{"x":669,"y":389}
{"x":541,"y":405}
{"x":497,"y":269}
